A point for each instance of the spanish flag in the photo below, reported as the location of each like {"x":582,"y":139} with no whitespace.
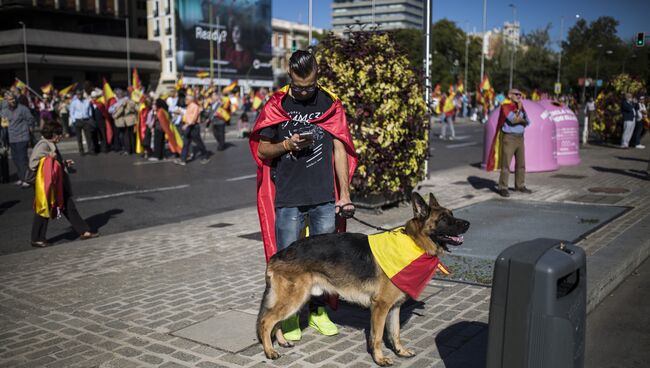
{"x":407,"y":265}
{"x":19,"y":84}
{"x":257,"y":100}
{"x":535,"y":95}
{"x":135,"y":80}
{"x":179,"y":83}
{"x":48,"y":196}
{"x":495,"y":147}
{"x":224,"y":110}
{"x":202,"y":75}
{"x":109,"y":96}
{"x":461,"y":87}
{"x":230,"y":87}
{"x":485,"y":84}
{"x":174,"y":140}
{"x":449,"y":105}
{"x":47,"y":89}
{"x":67,"y":89}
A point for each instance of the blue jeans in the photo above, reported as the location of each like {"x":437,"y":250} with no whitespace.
{"x":289,"y":222}
{"x":20,"y":158}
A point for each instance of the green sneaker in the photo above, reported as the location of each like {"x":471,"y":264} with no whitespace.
{"x":320,"y":321}
{"x":291,"y":328}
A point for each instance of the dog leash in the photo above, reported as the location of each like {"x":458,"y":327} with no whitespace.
{"x":349,"y":214}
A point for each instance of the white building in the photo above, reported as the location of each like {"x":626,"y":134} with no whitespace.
{"x":386,"y":14}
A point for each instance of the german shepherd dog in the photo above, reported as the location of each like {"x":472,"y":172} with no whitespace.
{"x":343,"y":264}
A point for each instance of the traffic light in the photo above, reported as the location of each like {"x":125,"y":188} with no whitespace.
{"x":640,"y":39}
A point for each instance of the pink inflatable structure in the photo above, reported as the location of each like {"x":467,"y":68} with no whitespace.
{"x":539,"y":139}
{"x":567,"y":132}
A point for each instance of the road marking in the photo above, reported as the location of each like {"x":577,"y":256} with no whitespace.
{"x":242,"y":177}
{"x":130,"y":192}
{"x":459,"y":145}
{"x":139,"y":163}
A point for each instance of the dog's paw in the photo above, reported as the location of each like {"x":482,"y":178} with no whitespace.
{"x":405,"y":353}
{"x":286,"y":344}
{"x":384,"y":361}
{"x":272,"y":354}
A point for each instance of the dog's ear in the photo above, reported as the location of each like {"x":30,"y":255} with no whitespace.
{"x":433,"y":202}
{"x":420,"y":208}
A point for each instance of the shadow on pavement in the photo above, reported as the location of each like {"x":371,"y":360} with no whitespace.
{"x":95,"y":222}
{"x":619,"y":171}
{"x":482,"y":183}
{"x":631,"y":159}
{"x":4,"y":206}
{"x":463,"y":345}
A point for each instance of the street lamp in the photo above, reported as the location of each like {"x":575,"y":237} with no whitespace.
{"x":512,"y":54}
{"x":480,"y":79}
{"x":22,"y":24}
{"x":608,"y":52}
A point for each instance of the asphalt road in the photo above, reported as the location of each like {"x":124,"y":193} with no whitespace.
{"x":120,"y":193}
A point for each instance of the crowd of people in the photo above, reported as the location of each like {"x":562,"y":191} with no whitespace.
{"x":152,"y":126}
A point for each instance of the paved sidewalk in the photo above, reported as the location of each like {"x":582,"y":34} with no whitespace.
{"x":115,"y":301}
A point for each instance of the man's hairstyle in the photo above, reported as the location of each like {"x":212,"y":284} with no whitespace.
{"x":302,"y":63}
{"x":51,"y":128}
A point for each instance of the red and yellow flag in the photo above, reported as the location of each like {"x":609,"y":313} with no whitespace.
{"x":535,"y":95}
{"x":135,"y":80}
{"x":230,"y":87}
{"x":257,"y":100}
{"x":202,"y":75}
{"x":407,"y":265}
{"x":461,"y":87}
{"x":47,"y":89}
{"x":494,"y":157}
{"x":67,"y":89}
{"x":18,"y":84}
{"x":109,"y":96}
{"x":485,"y":84}
{"x":48,"y":186}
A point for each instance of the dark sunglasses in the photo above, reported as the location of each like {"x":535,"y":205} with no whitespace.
{"x":297,"y":89}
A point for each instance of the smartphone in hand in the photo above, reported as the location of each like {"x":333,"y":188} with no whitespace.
{"x":306,"y":135}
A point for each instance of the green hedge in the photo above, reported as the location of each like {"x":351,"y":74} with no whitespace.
{"x":383,"y":98}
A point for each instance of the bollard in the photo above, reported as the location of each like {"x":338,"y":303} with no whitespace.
{"x":538,"y":306}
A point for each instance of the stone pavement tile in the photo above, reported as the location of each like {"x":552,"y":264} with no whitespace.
{"x":236,"y":359}
{"x":211,"y":365}
{"x":151,"y":359}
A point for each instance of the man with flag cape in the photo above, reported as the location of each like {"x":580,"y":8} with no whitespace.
{"x":305,"y":160}
{"x":102,"y":119}
{"x":508,"y":141}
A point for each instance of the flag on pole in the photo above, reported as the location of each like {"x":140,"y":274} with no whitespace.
{"x":461,"y":87}
{"x":47,"y":89}
{"x":202,"y":75}
{"x":135,"y":80}
{"x":257,"y":100}
{"x":230,"y":87}
{"x":19,"y":84}
{"x":109,"y":96}
{"x":451,"y":89}
{"x":67,"y":89}
{"x":179,"y":83}
{"x":485,"y":84}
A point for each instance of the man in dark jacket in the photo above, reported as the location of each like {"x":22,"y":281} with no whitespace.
{"x":627,"y":109}
{"x":19,"y":119}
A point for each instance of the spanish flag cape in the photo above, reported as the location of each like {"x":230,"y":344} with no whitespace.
{"x":107,"y":120}
{"x":495,"y":148}
{"x":407,"y":265}
{"x":48,"y":197}
{"x":449,"y":107}
{"x":174,"y":140}
{"x":333,"y":121}
{"x":141,"y":127}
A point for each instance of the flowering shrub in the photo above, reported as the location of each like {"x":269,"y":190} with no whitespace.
{"x":609,"y":120}
{"x":383,"y":98}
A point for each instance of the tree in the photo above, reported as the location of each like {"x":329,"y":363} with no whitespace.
{"x":383,"y":98}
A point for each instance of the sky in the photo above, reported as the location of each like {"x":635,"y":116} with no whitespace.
{"x":633,"y":15}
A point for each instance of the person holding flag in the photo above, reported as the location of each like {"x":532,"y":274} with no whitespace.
{"x":448,"y":115}
{"x":305,"y":160}
{"x":508,"y":141}
{"x":53,"y":192}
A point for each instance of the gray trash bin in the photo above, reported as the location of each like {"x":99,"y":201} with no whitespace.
{"x":538,"y":306}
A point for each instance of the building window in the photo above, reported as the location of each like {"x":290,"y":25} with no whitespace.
{"x":170,"y":66}
{"x":155,"y":9}
{"x":281,"y":40}
{"x":169,"y":43}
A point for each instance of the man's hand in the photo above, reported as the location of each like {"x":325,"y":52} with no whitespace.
{"x":344,"y":207}
{"x":297,"y":144}
{"x":69,"y":163}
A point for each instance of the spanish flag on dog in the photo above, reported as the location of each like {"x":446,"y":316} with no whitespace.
{"x":407,"y":265}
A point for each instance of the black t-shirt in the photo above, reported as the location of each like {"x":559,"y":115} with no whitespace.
{"x":305,"y":177}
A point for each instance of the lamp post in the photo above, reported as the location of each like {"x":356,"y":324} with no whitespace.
{"x":128,"y":52}
{"x":25,"y":51}
{"x":310,"y":22}
{"x":480,"y":79}
{"x":559,"y":59}
{"x":608,"y":52}
{"x":466,"y":53}
{"x":514,"y":50}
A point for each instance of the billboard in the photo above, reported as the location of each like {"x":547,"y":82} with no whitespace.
{"x":240,"y":31}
